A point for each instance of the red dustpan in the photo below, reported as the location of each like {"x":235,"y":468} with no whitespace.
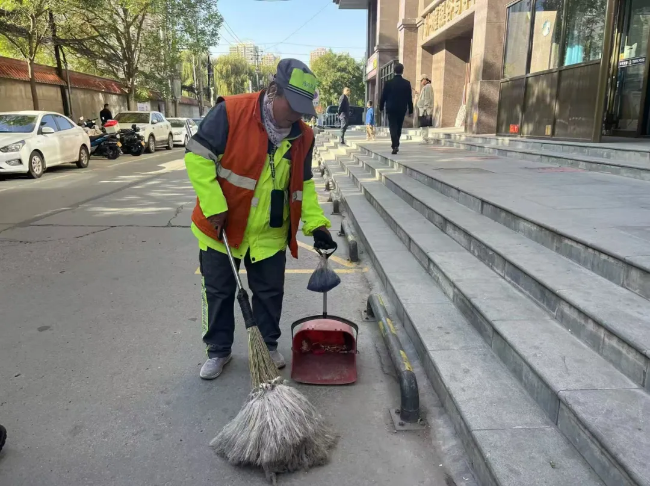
{"x":324,"y":349}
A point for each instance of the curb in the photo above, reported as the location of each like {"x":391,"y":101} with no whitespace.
{"x":353,"y":247}
{"x":407,"y":417}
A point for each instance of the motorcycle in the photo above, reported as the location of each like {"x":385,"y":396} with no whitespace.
{"x":102,"y":143}
{"x":132,"y":142}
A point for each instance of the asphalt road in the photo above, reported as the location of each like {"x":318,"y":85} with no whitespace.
{"x":100,"y":344}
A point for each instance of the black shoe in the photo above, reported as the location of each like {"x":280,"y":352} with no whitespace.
{"x":395,"y":151}
{"x":343,"y":142}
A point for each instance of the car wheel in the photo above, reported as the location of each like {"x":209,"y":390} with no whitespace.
{"x":170,"y":141}
{"x":84,"y":158}
{"x":151,"y":144}
{"x":36,"y":165}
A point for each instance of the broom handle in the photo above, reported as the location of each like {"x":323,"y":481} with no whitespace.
{"x":232,"y":260}
{"x":242,"y":295}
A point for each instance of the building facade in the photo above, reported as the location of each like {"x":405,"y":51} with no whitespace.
{"x":457,"y":43}
{"x":576,"y":69}
{"x":570,"y":69}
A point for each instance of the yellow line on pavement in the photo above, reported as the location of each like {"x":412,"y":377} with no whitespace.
{"x":333,"y":258}
{"x":342,"y":271}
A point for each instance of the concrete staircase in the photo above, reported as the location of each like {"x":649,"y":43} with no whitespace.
{"x":540,"y":360}
{"x":626,"y":159}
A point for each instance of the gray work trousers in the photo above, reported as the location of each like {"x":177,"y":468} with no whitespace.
{"x":266,"y":282}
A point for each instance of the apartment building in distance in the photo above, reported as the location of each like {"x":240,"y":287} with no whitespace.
{"x":247,"y":50}
{"x":316,"y":53}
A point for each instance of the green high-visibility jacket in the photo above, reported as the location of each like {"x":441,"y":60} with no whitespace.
{"x":260,"y":239}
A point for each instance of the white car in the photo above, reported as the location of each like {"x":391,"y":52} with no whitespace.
{"x":180,"y":129}
{"x":154,"y":127}
{"x":32,"y":141}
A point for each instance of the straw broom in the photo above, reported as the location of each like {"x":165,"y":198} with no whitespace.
{"x":277,"y":429}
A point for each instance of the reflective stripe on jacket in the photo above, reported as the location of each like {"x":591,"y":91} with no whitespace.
{"x":224,"y":165}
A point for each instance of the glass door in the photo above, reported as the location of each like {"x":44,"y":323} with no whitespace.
{"x":627,"y":108}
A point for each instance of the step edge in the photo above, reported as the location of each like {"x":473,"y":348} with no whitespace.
{"x":642,"y":371}
{"x":533,"y":369}
{"x":475,"y":451}
{"x":585,"y":246}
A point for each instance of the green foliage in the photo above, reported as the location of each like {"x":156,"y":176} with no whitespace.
{"x":231,"y":75}
{"x":25,"y":25}
{"x":338,"y":71}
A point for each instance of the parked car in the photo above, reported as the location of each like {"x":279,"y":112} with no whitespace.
{"x":180,"y":129}
{"x":32,"y":141}
{"x":154,"y":127}
{"x":330,"y":118}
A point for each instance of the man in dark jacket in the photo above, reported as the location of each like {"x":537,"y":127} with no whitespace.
{"x":396,"y":98}
{"x":344,"y":112}
{"x":105,"y":115}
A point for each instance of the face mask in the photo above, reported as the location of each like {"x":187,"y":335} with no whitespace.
{"x":275,"y":133}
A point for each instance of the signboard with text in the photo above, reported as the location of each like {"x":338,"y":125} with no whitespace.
{"x":444,"y":13}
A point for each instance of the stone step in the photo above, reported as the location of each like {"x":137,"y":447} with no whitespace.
{"x":635,"y":169}
{"x":545,"y":357}
{"x":631,"y":150}
{"x":601,"y":250}
{"x":509,"y":439}
{"x":611,"y":320}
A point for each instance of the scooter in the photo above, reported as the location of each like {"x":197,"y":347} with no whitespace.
{"x":105,"y":144}
{"x":132,"y":142}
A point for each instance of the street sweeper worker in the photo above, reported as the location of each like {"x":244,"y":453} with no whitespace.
{"x":250,"y":165}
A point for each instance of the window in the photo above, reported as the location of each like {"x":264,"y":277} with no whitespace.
{"x":158,"y":117}
{"x":177,"y":122}
{"x":133,"y":117}
{"x":584,"y":33}
{"x":17,"y":123}
{"x":547,"y":30}
{"x":48,"y":121}
{"x":63,"y":123}
{"x":518,"y":31}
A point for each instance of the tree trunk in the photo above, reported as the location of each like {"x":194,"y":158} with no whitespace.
{"x":59,"y":68}
{"x":130,"y":100}
{"x":32,"y":83}
{"x":198,"y":83}
{"x":211,"y":80}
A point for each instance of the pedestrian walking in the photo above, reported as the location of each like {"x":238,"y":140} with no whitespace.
{"x":344,"y":112}
{"x":256,"y":185}
{"x":396,"y":99}
{"x":425,"y":106}
{"x":105,"y":115}
{"x":370,"y":122}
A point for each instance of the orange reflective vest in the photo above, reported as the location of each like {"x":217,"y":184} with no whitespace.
{"x":241,"y":166}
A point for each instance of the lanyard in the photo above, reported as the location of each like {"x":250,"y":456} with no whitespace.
{"x":272,"y":163}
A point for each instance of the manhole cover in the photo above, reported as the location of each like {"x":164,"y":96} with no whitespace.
{"x":554,"y":169}
{"x":466,"y":170}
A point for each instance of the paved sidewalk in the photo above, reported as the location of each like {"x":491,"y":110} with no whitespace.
{"x":100,"y":351}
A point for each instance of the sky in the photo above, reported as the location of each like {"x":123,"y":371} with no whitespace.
{"x":284,"y":27}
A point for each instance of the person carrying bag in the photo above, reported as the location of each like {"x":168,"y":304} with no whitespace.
{"x":425,"y":106}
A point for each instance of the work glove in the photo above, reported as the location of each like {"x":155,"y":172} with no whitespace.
{"x":219,"y":221}
{"x":323,"y":239}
